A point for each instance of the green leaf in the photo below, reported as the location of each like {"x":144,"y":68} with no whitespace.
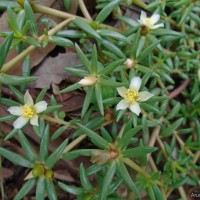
{"x":113,"y":48}
{"x":71,"y":88}
{"x":54,"y":157}
{"x":21,"y":20}
{"x":70,"y":34}
{"x":58,"y":132}
{"x":41,"y":95}
{"x":107,"y":180}
{"x":30,"y":16}
{"x":8,"y":118}
{"x":138,"y":151}
{"x":147,"y":51}
{"x":158,"y":194}
{"x":129,"y":21}
{"x":16,"y":80}
{"x":4,"y":49}
{"x":126,"y":137}
{"x":174,"y":111}
{"x":8,"y":102}
{"x":162,"y":32}
{"x":31,"y":41}
{"x":51,"y":109}
{"x":111,"y":67}
{"x":88,"y":98}
{"x":40,"y":188}
{"x":140,"y":46}
{"x":44,"y":146}
{"x":94,"y":60}
{"x":7,"y":4}
{"x":106,"y":11}
{"x":110,"y":83}
{"x":99,"y":98}
{"x":134,"y":45}
{"x":50,"y":189}
{"x":25,"y":189}
{"x":113,"y":34}
{"x":84,"y":179}
{"x":195,"y":17}
{"x":15,"y":158}
{"x":26,"y":69}
{"x":126,"y":177}
{"x":87,"y":28}
{"x":168,"y":131}
{"x":61,"y":41}
{"x":76,"y":153}
{"x":150,"y":193}
{"x":83,"y":58}
{"x":12,"y":22}
{"x":186,"y":13}
{"x":11,"y":134}
{"x":30,"y":153}
{"x":71,"y":189}
{"x":77,"y":72}
{"x":99,"y":141}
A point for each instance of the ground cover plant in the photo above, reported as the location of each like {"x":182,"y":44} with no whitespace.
{"x":100,"y":99}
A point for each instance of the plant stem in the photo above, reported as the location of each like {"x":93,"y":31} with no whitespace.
{"x":137,"y":168}
{"x":84,"y":10}
{"x":9,"y":65}
{"x":74,"y":143}
{"x":1,"y":176}
{"x":61,"y":14}
{"x":182,"y":193}
{"x":58,"y":121}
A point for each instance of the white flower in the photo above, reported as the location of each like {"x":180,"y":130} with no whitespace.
{"x":150,"y":22}
{"x":27,"y":112}
{"x":88,"y":80}
{"x":132,"y":96}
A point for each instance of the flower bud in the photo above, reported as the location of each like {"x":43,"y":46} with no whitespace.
{"x":130,"y":63}
{"x":88,"y":80}
{"x":38,"y":170}
{"x":49,"y":175}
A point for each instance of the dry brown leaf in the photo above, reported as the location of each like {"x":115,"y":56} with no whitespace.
{"x":40,"y":53}
{"x":52,"y":70}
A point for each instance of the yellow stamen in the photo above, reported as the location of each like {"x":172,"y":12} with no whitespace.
{"x":149,"y":20}
{"x":28,"y":112}
{"x":131,"y":96}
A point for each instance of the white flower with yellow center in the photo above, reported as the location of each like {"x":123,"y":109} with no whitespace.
{"x":132,"y":96}
{"x":27,"y":112}
{"x":150,"y":22}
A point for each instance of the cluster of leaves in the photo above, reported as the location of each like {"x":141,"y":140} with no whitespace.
{"x":110,"y":58}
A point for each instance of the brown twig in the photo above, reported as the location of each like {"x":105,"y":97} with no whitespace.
{"x":178,"y":90}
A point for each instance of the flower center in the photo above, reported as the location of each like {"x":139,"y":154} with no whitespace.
{"x":28,"y":112}
{"x":131,"y":96}
{"x":149,"y":20}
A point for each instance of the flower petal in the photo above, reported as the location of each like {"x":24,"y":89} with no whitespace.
{"x":157,"y":26}
{"x":155,"y":18}
{"x":34,"y":120}
{"x":28,"y":99}
{"x":135,"y":83}
{"x":20,"y":122}
{"x":121,"y":91}
{"x":143,"y":16}
{"x":122,"y":105}
{"x":40,"y":106}
{"x":15,"y":110}
{"x":143,"y":96}
{"x":135,"y":108}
